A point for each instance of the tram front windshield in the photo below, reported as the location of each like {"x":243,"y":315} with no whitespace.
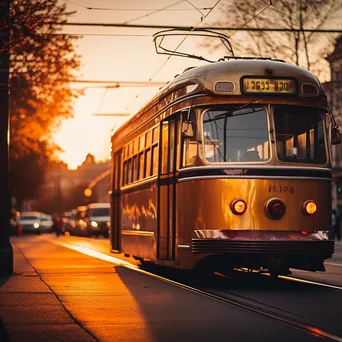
{"x":236,"y":135}
{"x":241,"y":134}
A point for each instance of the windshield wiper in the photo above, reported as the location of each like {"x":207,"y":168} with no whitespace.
{"x":230,"y":112}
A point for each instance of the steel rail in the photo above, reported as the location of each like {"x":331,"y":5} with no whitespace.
{"x":245,"y":304}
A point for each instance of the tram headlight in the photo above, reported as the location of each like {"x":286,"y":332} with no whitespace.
{"x":238,"y":206}
{"x":36,"y":225}
{"x":309,"y":207}
{"x":275,"y":208}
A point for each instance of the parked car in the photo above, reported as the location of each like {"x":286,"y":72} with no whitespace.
{"x":78,"y":225}
{"x":98,"y":219}
{"x":45,"y":223}
{"x":29,"y":222}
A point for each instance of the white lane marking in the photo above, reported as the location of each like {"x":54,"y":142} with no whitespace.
{"x":311,"y":282}
{"x":94,"y":254}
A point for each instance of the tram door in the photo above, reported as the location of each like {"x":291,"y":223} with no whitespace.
{"x":115,"y":202}
{"x":167,"y":190}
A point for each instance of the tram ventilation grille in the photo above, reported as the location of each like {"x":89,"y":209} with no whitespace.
{"x":322,"y":248}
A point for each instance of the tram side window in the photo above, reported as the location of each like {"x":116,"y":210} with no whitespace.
{"x":124,"y":176}
{"x":148,"y":163}
{"x":154,"y":160}
{"x":129,"y":177}
{"x":300,"y":135}
{"x":135,"y":168}
{"x":141,"y":157}
{"x":236,"y":135}
{"x":189,"y":140}
{"x":141,"y":166}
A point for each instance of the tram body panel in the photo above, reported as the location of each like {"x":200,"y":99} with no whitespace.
{"x":211,"y":199}
{"x":139,"y":222}
{"x":254,"y":233}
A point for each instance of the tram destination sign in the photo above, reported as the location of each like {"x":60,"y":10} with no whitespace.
{"x":278,"y":86}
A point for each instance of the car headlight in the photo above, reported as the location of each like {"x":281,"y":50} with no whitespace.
{"x":108,"y":224}
{"x":94,"y":224}
{"x":36,"y":225}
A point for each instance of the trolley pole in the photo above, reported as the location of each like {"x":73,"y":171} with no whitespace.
{"x":6,"y":251}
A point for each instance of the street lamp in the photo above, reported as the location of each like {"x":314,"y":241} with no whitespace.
{"x":88,"y":192}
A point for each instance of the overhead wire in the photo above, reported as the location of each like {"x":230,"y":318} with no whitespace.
{"x":194,"y":28}
{"x":134,"y":9}
{"x":247,"y":22}
{"x":196,"y":8}
{"x":154,"y":12}
{"x":102,"y":100}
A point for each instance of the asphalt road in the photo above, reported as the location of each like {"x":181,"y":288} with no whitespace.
{"x":118,"y":304}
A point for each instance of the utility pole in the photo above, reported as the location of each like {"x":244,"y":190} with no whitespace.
{"x":6,"y":251}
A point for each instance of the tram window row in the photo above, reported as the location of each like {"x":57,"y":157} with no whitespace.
{"x":141,"y":157}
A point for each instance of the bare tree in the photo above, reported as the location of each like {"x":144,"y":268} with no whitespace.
{"x":305,"y":49}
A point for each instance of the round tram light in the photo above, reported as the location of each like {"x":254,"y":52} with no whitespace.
{"x":275,"y":208}
{"x":238,"y":206}
{"x":309,"y":207}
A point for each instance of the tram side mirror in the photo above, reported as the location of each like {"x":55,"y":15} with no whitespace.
{"x":335,"y":136}
{"x":187,"y":129}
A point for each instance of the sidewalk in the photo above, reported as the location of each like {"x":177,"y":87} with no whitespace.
{"x":59,"y":294}
{"x":30,"y":311}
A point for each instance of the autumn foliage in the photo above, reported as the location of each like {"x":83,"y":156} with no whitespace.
{"x":42,"y":63}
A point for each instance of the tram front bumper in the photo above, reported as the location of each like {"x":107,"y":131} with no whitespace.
{"x":263,"y":249}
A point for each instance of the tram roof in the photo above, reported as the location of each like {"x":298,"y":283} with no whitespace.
{"x":233,"y":70}
{"x":206,"y":76}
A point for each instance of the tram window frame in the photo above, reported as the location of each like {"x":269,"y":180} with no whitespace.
{"x":141,"y":165}
{"x":138,"y":157}
{"x":302,"y":147}
{"x":148,"y":162}
{"x":135,"y":168}
{"x":165,"y":146}
{"x":155,"y":159}
{"x":189,"y":143}
{"x":245,"y":154}
{"x":124,"y":173}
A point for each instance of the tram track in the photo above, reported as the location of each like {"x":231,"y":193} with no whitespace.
{"x":251,"y":305}
{"x":248,"y":304}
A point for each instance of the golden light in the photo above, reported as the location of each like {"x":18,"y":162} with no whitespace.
{"x":310,"y":207}
{"x":88,"y":192}
{"x":238,"y":206}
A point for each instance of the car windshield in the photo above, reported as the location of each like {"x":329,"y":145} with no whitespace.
{"x":29,"y":218}
{"x":236,"y":134}
{"x":98,"y":212}
{"x":299,"y":134}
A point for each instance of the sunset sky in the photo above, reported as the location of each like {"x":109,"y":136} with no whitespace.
{"x":124,"y":54}
{"x":121,"y":54}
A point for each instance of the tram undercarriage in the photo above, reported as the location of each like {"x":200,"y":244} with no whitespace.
{"x":275,"y":257}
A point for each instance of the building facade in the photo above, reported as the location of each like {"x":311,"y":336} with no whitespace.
{"x":333,"y":90}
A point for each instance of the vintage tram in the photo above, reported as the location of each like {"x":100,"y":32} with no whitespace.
{"x":229,"y":165}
